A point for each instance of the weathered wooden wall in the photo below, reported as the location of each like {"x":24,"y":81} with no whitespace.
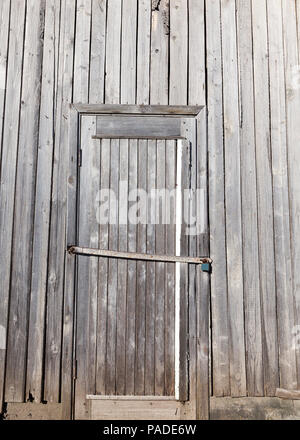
{"x":241,"y":59}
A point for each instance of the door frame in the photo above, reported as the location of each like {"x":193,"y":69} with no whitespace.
{"x":194,"y":130}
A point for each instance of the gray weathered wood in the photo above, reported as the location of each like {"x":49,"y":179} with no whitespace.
{"x":159,"y":56}
{"x":68,"y":343}
{"x":253,"y":336}
{"x":97,"y":56}
{"x":4,"y":33}
{"x":143,"y":52}
{"x":131,"y":398}
{"x":170,"y":272}
{"x":233,"y":214}
{"x":292,"y":92}
{"x":150,"y":292}
{"x":82,"y":51}
{"x":56,"y":317}
{"x":131,"y":280}
{"x":199,"y":342}
{"x":141,"y":279}
{"x":265,"y":198}
{"x":102,"y":291}
{"x":34,"y":380}
{"x":4,"y":83}
{"x":288,"y":394}
{"x":154,"y":110}
{"x":282,"y":232}
{"x":135,"y":410}
{"x":219,"y":303}
{"x":87,"y":287}
{"x":135,"y":127}
{"x":160,"y":268}
{"x":24,"y":212}
{"x":178,"y":93}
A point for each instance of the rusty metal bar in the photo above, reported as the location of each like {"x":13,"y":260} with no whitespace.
{"x":134,"y":256}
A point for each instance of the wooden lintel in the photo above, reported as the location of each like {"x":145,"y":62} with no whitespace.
{"x":106,"y":109}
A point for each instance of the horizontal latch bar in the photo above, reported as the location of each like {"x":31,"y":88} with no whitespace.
{"x":134,"y":256}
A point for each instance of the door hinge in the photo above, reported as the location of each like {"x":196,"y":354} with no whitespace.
{"x":80,"y":158}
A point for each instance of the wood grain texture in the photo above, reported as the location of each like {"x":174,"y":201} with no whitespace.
{"x":40,"y":250}
{"x":57,"y":229}
{"x":4,"y":26}
{"x":8,"y":173}
{"x":82,"y":51}
{"x":134,"y":127}
{"x":233,"y":215}
{"x":253,"y":326}
{"x":87,"y":288}
{"x":282,"y":232}
{"x":292,"y":96}
{"x":24,"y":213}
{"x":220,"y":327}
{"x":243,"y":62}
{"x":265,"y":198}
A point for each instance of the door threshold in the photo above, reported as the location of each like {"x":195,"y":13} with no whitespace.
{"x":101,"y":397}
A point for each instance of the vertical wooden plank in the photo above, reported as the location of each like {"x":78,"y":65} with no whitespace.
{"x":23,"y":212}
{"x":178,"y":52}
{"x":42,"y":203}
{"x":112,"y":283}
{"x":159,"y":91}
{"x":141,"y":277}
{"x":8,"y":170}
{"x":97,"y":57}
{"x":68,"y":343}
{"x":170,"y":270}
{"x":129,"y":52}
{"x":219,"y":305}
{"x":58,"y":319}
{"x":159,"y":85}
{"x":150,"y":288}
{"x":160,"y":277}
{"x":265,"y":197}
{"x":4,"y":34}
{"x":112,"y":95}
{"x":128,"y":96}
{"x":103,"y":266}
{"x":82,"y":51}
{"x":298,"y":24}
{"x":292,"y":92}
{"x":200,"y":343}
{"x":178,"y":94}
{"x":88,"y":235}
{"x":96,"y":95}
{"x":196,"y":47}
{"x":113,"y":52}
{"x":253,"y":337}
{"x":185,"y":151}
{"x":143,"y":52}
{"x":145,"y":291}
{"x":131,"y":278}
{"x":285,"y":304}
{"x":122,"y":271}
{"x":233,"y":214}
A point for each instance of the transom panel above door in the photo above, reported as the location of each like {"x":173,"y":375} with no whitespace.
{"x":132,"y":254}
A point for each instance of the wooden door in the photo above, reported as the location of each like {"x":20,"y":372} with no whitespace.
{"x":131,"y":326}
